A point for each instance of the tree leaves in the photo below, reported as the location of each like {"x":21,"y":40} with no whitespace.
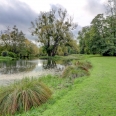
{"x":52,"y":29}
{"x":99,"y":38}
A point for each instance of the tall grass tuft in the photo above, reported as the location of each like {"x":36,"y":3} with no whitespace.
{"x":78,"y":70}
{"x":23,"y":95}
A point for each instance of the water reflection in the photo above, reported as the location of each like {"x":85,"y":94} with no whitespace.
{"x":11,"y":67}
{"x":52,"y":64}
{"x":49,"y":64}
{"x":15,"y":70}
{"x":14,"y":67}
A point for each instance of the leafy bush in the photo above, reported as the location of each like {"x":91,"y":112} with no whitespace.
{"x":78,"y":70}
{"x":109,"y":51}
{"x":23,"y":95}
{"x":4,"y":53}
{"x":11,"y":54}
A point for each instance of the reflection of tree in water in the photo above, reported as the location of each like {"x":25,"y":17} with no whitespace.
{"x":12,"y":67}
{"x":49,"y":64}
{"x":52,"y":64}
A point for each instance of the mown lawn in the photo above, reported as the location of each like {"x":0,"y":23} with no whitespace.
{"x":93,"y":95}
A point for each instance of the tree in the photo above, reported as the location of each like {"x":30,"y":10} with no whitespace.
{"x":5,"y":39}
{"x":13,"y":40}
{"x":53,"y":29}
{"x":84,"y":40}
{"x":30,"y":48}
{"x":99,"y":38}
{"x":111,"y":7}
{"x":17,"y":40}
{"x":111,"y":18}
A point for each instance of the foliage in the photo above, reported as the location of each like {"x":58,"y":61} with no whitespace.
{"x":7,"y":58}
{"x":15,"y":42}
{"x":69,"y":57}
{"x":23,"y":95}
{"x":100,"y":37}
{"x":96,"y":39}
{"x":53,"y":29}
{"x":60,"y":51}
{"x":13,"y":39}
{"x":29,"y":49}
{"x":70,"y":47}
{"x":42,"y":51}
{"x":11,"y":54}
{"x":4,"y":53}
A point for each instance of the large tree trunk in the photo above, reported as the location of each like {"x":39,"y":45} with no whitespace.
{"x":52,"y":52}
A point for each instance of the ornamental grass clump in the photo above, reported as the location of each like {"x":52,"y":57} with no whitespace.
{"x":23,"y":95}
{"x":79,"y":69}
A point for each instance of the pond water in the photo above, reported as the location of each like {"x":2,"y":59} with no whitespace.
{"x":14,"y":70}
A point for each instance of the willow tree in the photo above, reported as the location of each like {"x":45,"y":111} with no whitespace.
{"x":53,"y":29}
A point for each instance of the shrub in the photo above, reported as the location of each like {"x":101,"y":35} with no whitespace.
{"x":4,"y":53}
{"x":11,"y":54}
{"x":23,"y":95}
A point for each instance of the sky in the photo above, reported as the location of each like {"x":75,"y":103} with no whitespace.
{"x":22,"y":12}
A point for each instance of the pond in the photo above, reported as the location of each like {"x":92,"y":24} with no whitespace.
{"x":14,"y":70}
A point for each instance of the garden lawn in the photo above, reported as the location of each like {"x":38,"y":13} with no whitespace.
{"x":93,"y":95}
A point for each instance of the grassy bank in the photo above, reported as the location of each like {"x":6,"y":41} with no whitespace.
{"x":5,"y":58}
{"x":93,"y":95}
{"x":69,"y":57}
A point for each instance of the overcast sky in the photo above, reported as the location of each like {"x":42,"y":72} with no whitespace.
{"x":22,"y":12}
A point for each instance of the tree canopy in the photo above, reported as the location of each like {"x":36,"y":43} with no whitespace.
{"x":14,"y":41}
{"x":100,"y":36}
{"x":53,"y":29}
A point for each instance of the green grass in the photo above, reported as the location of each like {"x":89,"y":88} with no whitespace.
{"x":93,"y":95}
{"x":69,"y":57}
{"x":5,"y":58}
